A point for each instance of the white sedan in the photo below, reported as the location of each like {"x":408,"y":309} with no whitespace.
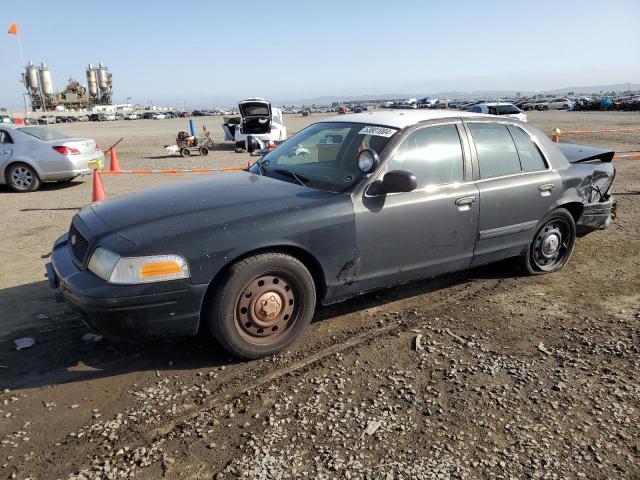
{"x":30,"y":155}
{"x":560,"y":104}
{"x":502,"y":109}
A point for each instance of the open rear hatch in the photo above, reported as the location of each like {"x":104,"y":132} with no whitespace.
{"x":256,"y":115}
{"x":585,"y":153}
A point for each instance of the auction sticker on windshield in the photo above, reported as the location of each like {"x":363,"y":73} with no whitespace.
{"x":379,"y":131}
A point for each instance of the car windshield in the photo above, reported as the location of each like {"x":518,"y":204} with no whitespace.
{"x":42,"y":133}
{"x":324,"y":155}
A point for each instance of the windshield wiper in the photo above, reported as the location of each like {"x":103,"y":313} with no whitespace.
{"x":288,"y":173}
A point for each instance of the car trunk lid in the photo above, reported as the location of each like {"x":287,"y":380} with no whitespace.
{"x":585,"y":153}
{"x":256,"y":115}
{"x":85,"y":147}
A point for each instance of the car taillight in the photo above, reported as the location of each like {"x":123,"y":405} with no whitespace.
{"x":67,"y":150}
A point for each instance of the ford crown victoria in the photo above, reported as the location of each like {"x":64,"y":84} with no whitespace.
{"x":348,"y":205}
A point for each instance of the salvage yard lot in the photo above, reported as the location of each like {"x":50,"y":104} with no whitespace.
{"x":521,"y":377}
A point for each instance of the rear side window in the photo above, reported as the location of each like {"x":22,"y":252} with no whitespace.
{"x":496,"y":151}
{"x":4,"y":137}
{"x":432,"y":154}
{"x":530,"y":157}
{"x":475,"y":109}
{"x":507,"y":109}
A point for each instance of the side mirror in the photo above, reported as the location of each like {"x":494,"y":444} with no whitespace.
{"x":368,"y":160}
{"x":395,"y":181}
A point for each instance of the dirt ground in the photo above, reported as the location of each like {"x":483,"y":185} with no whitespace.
{"x":517,"y":377}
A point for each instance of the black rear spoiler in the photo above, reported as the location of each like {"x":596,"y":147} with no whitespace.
{"x":585,"y":153}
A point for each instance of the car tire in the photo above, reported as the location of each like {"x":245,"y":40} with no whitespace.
{"x":184,"y":152}
{"x":22,"y":178}
{"x":565,"y":107}
{"x":204,"y":151}
{"x":552,"y":245}
{"x":262,"y":305}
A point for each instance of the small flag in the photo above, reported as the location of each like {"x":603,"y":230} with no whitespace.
{"x":13,"y":29}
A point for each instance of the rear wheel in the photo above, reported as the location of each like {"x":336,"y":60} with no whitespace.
{"x":184,"y":152}
{"x":263,"y":304}
{"x":204,"y":151}
{"x":23,"y":178}
{"x":552,"y":244}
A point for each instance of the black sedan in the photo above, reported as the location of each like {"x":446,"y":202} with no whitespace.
{"x":346,"y":206}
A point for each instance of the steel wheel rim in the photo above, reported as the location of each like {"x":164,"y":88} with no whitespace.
{"x":22,"y":177}
{"x":266,"y":308}
{"x":551,"y":245}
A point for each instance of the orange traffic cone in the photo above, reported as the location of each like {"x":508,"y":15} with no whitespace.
{"x":114,"y":165}
{"x":98,"y":189}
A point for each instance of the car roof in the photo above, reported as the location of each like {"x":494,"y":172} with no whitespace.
{"x":402,"y":118}
{"x":495,"y":104}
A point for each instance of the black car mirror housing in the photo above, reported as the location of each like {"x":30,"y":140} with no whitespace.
{"x":395,"y":181}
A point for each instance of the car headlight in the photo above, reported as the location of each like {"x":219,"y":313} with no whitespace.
{"x":132,"y":270}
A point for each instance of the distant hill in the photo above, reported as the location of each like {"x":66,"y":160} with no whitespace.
{"x":594,"y":89}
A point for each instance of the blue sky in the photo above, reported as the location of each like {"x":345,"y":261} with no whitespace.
{"x":209,"y":52}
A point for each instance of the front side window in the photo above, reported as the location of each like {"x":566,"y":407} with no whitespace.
{"x":324,"y":155}
{"x":432,"y":154}
{"x":530,"y":157}
{"x":497,"y":154}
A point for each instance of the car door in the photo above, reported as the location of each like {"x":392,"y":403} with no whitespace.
{"x":516,"y":184}
{"x":6,"y":149}
{"x":431,"y":230}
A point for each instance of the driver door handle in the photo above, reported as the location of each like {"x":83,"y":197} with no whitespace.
{"x":545,"y":189}
{"x":465,"y":203}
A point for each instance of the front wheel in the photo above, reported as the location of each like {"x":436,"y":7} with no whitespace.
{"x":552,"y":245}
{"x":204,"y":151}
{"x":185,"y":152}
{"x":23,"y":178}
{"x":262,"y":305}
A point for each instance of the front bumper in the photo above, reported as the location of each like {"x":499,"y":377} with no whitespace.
{"x":596,"y":216}
{"x":127,"y":313}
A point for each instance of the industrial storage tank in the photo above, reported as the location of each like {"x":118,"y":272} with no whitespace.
{"x":31,"y":77}
{"x":92,"y":81}
{"x":45,"y":80}
{"x":102,"y":77}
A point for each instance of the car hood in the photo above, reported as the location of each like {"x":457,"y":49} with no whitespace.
{"x":219,"y":199}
